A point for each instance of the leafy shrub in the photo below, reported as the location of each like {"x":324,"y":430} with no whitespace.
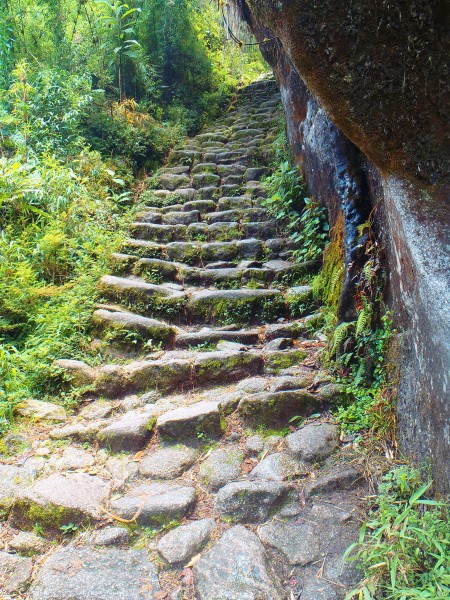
{"x":404,"y":548}
{"x":302,"y":216}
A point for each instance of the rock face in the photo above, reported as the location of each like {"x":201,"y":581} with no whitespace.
{"x":87,"y":574}
{"x":237,"y":567}
{"x":369,"y":138}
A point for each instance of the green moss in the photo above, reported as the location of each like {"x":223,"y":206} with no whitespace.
{"x":328,"y":285}
{"x":278,"y":361}
{"x":50,"y":516}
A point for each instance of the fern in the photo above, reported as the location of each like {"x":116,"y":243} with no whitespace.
{"x":363,"y":320}
{"x":369,"y":271}
{"x":340,"y":334}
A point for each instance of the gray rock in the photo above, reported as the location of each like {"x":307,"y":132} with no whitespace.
{"x":111,"y":536}
{"x":273,"y":408}
{"x":298,"y":543}
{"x":87,"y":574}
{"x":27,"y":543}
{"x":254,"y":444}
{"x":252,"y":385}
{"x":172,"y":181}
{"x":237,"y":567}
{"x":128,"y":433}
{"x":229,"y":402}
{"x":221,"y":467}
{"x":122,"y":469}
{"x":15,"y":573}
{"x":202,"y":417}
{"x":41,"y":411}
{"x":154,"y":503}
{"x":231,"y":347}
{"x":250,"y":501}
{"x":278,"y":344}
{"x":279,"y":384}
{"x":78,"y":372}
{"x":317,"y":589}
{"x":59,"y":499}
{"x":100,"y":409}
{"x":182,"y":543}
{"x":277,"y":467}
{"x":71,"y":459}
{"x":167,"y":463}
{"x":13,"y":480}
{"x":343,"y":477}
{"x":314,"y":442}
{"x":14,"y":443}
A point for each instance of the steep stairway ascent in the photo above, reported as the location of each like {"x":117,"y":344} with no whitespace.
{"x":176,"y":479}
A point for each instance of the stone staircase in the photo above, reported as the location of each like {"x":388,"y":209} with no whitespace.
{"x":176,"y":478}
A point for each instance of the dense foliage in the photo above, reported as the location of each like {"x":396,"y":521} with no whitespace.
{"x":404,"y":548}
{"x":92,"y":92}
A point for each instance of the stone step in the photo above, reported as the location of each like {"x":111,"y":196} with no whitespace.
{"x":185,"y":370}
{"x":129,"y":329}
{"x":206,"y":306}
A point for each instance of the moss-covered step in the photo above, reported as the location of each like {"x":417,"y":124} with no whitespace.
{"x":191,"y":422}
{"x":235,"y":306}
{"x":59,"y":500}
{"x":213,"y":336}
{"x":124,"y":328}
{"x":149,"y":299}
{"x":153,"y":232}
{"x":176,"y":370}
{"x":276,"y":408}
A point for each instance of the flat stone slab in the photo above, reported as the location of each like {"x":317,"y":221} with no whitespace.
{"x":342,"y":477}
{"x":167,"y":463}
{"x":128,"y":433}
{"x":41,"y":411}
{"x":277,"y":407}
{"x":237,"y":567}
{"x":202,"y":417}
{"x":278,"y":467}
{"x":58,"y":500}
{"x":299,"y":544}
{"x":13,"y":480}
{"x":251,"y":501}
{"x":313,"y":443}
{"x":154,"y":503}
{"x":111,"y":536}
{"x":221,"y":467}
{"x":72,"y":458}
{"x":15,"y":573}
{"x":182,"y":543}
{"x":87,"y":574}
{"x":27,"y":544}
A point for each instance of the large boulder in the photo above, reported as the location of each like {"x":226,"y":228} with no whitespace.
{"x":237,"y":567}
{"x":73,"y":573}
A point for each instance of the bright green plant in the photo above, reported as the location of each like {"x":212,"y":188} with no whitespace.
{"x":303,"y":217}
{"x":119,"y":21}
{"x":312,"y":233}
{"x":404,"y":547}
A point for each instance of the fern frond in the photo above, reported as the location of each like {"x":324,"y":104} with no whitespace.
{"x":363,"y":319}
{"x":339,"y":335}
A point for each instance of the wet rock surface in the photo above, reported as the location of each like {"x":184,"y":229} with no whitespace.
{"x":175,"y":478}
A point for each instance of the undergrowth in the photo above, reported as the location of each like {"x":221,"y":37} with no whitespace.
{"x":303,"y":217}
{"x":404,"y":547}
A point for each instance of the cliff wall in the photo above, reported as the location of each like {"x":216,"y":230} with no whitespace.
{"x":365,"y":91}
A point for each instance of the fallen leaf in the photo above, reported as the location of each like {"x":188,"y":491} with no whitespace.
{"x":161,"y":595}
{"x":188,"y":577}
{"x":193,"y":560}
{"x":138,"y":456}
{"x":247,"y":466}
